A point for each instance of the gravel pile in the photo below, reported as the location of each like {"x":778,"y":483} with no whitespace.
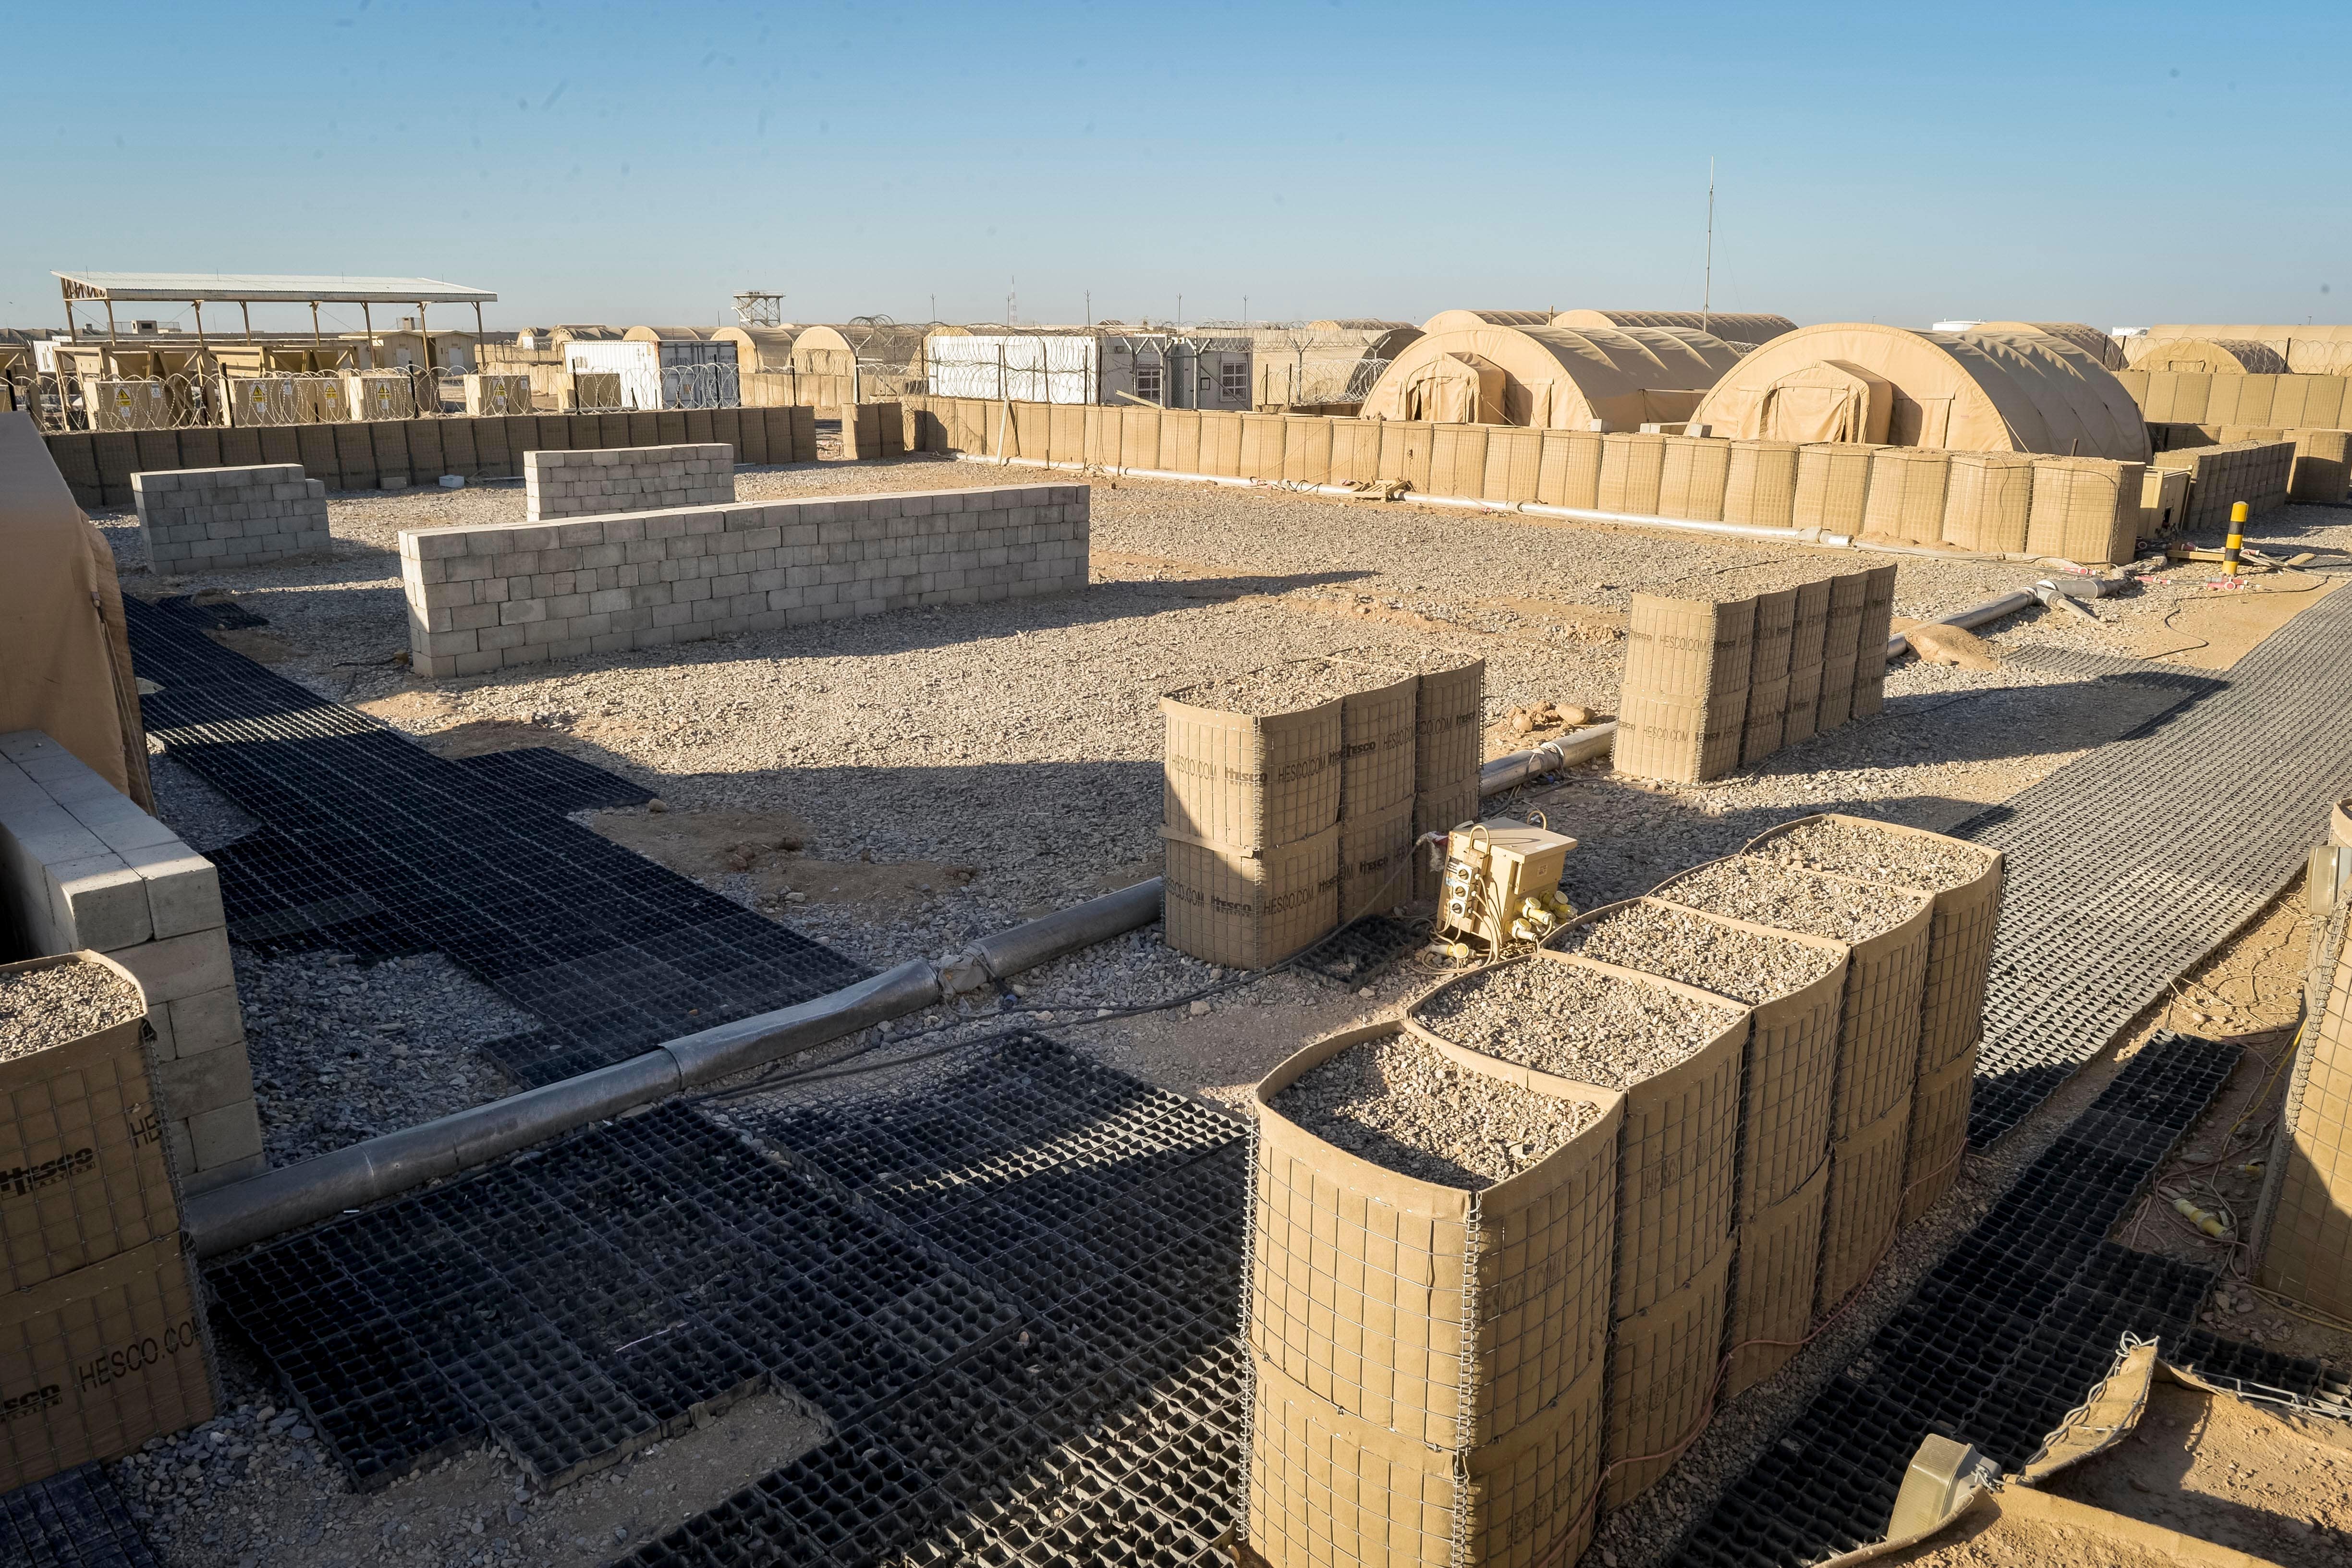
{"x":1401,"y":1104}
{"x":1573,"y":1022}
{"x":43,"y":1007}
{"x":1418,"y":658}
{"x":1745,"y":965}
{"x":342,"y":1050}
{"x":1768,"y":894}
{"x":1286,"y":687}
{"x":1849,"y":848}
{"x":183,"y":1487}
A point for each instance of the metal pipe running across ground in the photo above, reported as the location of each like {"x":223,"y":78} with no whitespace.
{"x":243,"y":1212}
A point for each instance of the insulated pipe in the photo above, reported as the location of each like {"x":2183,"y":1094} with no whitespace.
{"x":1598,"y":740}
{"x":253,"y":1210}
{"x":1974,"y":615}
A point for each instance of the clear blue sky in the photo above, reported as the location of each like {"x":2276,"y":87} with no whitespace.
{"x":639,"y":163}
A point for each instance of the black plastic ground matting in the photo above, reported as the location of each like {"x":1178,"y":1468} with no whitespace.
{"x":2001,"y":1340}
{"x":73,"y":1521}
{"x":1357,"y":953}
{"x":372,"y":845}
{"x":220,"y":615}
{"x":1014,"y":1296}
{"x":1106,"y":1428}
{"x":2127,"y":865}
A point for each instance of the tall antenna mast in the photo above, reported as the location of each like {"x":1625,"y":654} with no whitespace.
{"x":1706,"y":289}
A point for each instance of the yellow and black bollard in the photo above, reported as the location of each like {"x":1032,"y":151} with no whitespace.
{"x":2237,"y":540}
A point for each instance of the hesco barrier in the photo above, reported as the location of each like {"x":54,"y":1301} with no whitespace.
{"x":360,"y":455}
{"x":1767,"y":676}
{"x":2087,"y":509}
{"x":1989,"y":501}
{"x":1939,"y":1133}
{"x":1687,"y":478}
{"x":1375,"y":855}
{"x":1248,"y":783}
{"x":1427,"y":1359}
{"x":1683,"y":709}
{"x":1789,"y":1071}
{"x":1249,"y":911}
{"x":2259,"y":473}
{"x":1446,"y":1315}
{"x":1326,"y":1489}
{"x":1377,"y":747}
{"x":1449,"y":722}
{"x":1808,"y":640}
{"x":1662,"y":1366}
{"x":1878,"y":1022}
{"x":1864,"y":1203}
{"x":1870,"y":639}
{"x":83,"y":1173}
{"x":1677,"y":1158}
{"x":1769,"y":1308}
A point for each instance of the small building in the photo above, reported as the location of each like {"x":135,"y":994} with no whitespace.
{"x":655,"y":372}
{"x":1093,"y":365}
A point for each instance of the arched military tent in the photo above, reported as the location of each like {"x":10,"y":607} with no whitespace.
{"x":2087,"y":412}
{"x":1946,"y":388}
{"x":759,"y":348}
{"x":1552,"y":377}
{"x":2083,"y":335}
{"x":1361,"y":324}
{"x":671,"y":334}
{"x":1731,"y":326}
{"x":1456,"y":321}
{"x":2310,"y":350}
{"x":2214,"y":357}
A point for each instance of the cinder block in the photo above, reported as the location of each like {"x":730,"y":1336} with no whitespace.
{"x":207,"y":1021}
{"x":179,"y":965}
{"x":224,"y":1135}
{"x":107,"y":901}
{"x":183,"y":888}
{"x":191,"y":1085}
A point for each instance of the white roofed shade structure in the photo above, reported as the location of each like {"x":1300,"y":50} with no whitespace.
{"x":245,"y":289}
{"x":1551,"y":377}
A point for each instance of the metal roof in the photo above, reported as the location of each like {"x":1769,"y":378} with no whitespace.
{"x":299,"y":289}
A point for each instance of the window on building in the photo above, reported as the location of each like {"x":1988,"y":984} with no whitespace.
{"x":1233,"y":381}
{"x":1147,"y":383}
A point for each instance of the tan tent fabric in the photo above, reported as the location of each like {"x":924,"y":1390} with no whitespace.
{"x":759,"y":348}
{"x":1731,"y":326}
{"x":672,"y":334}
{"x":1456,"y":321}
{"x":1949,"y":390}
{"x":835,"y":351}
{"x":1460,"y":389}
{"x":1557,"y":378}
{"x":1372,"y":324}
{"x":2214,"y":356}
{"x":2086,"y":410}
{"x":1830,"y":400}
{"x":65,"y":661}
{"x":2083,"y":335}
{"x":2310,"y":350}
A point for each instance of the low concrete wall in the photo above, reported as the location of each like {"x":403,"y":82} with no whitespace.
{"x":486,"y":597}
{"x":83,"y":868}
{"x":602,"y":481}
{"x":212,"y":518}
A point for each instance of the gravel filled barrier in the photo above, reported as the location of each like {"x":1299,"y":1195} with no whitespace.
{"x":1769,"y":1308}
{"x":1431,"y":1247}
{"x":1675,"y":1053}
{"x":1965,"y":880}
{"x":1886,"y":930}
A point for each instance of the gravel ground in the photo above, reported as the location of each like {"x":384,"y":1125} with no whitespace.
{"x":206,"y":819}
{"x":1768,"y":894}
{"x":343,"y":1050}
{"x":1287,"y":687}
{"x":1848,"y":849}
{"x":1745,"y":966}
{"x":1401,"y":1104}
{"x":1020,"y":744}
{"x":1570,"y":1021}
{"x":42,"y":1008}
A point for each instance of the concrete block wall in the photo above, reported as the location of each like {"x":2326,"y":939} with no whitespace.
{"x":207,"y":517}
{"x":485,"y":597}
{"x":81,"y":867}
{"x":626,"y":479}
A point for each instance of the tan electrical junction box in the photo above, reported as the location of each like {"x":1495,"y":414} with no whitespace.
{"x":1492,"y":870}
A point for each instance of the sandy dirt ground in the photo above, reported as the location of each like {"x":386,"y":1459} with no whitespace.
{"x":900,"y":785}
